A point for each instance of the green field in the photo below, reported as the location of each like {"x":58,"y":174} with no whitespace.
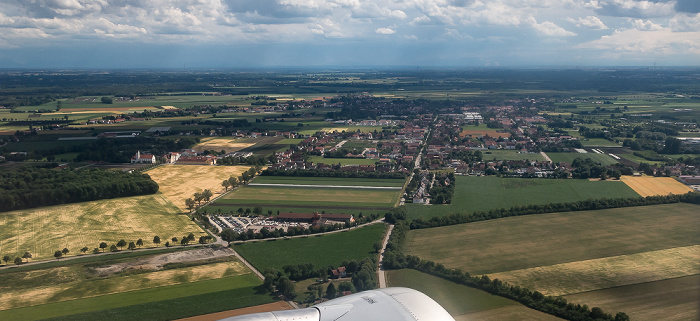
{"x":162,"y":303}
{"x":457,"y":299}
{"x":487,"y":192}
{"x":320,"y":250}
{"x":604,"y":159}
{"x":522,"y":242}
{"x":315,"y":197}
{"x":329,"y":181}
{"x":42,"y":231}
{"x":507,"y":155}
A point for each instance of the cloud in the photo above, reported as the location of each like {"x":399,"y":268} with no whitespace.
{"x":592,"y":22}
{"x":646,"y":25}
{"x":385,"y":31}
{"x":549,"y":28}
{"x":684,"y":22}
{"x":636,"y":8}
{"x":656,"y":43}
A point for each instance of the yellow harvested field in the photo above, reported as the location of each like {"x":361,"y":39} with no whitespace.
{"x":44,"y":230}
{"x":228,"y":144}
{"x":180,"y":182}
{"x":596,"y":274}
{"x":11,"y":298}
{"x":650,"y":186}
{"x":334,"y":129}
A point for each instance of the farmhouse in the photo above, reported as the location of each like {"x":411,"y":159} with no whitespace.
{"x":316,"y":218}
{"x":197,"y":160}
{"x":143,"y":158}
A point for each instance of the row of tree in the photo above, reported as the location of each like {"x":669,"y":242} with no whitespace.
{"x":28,"y":187}
{"x":332,"y":173}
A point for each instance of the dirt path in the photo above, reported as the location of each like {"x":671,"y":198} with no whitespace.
{"x":546,"y":157}
{"x":380,"y":269}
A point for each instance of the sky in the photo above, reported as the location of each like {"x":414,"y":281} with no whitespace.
{"x":347,"y":33}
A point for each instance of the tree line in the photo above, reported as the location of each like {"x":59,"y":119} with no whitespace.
{"x":29,"y":187}
{"x":557,"y":306}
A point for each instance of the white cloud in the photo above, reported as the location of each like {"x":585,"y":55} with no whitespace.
{"x":592,"y":22}
{"x":647,"y":25}
{"x":549,"y":28}
{"x":657,"y":42}
{"x":636,"y":8}
{"x":385,"y":31}
{"x":684,"y":22}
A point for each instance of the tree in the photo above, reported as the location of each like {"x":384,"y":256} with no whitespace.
{"x":156,"y":240}
{"x":113,"y":248}
{"x":103,"y":246}
{"x":226,"y":184}
{"x":189,"y":203}
{"x":331,"y":291}
{"x":95,"y":251}
{"x":6,"y":258}
{"x":27,"y":256}
{"x":190,"y":237}
{"x":132,"y":246}
{"x":206,"y":195}
{"x":84,"y":249}
{"x":106,"y":100}
{"x":167,"y":244}
{"x":65,"y":251}
{"x":286,"y":286}
{"x":184,"y":241}
{"x":57,"y":254}
{"x":174,"y":239}
{"x":377,"y":247}
{"x":229,"y":235}
{"x":257,"y":210}
{"x":233,"y":181}
{"x":139,"y":242}
{"x":18,"y":260}
{"x":203,"y":239}
{"x":121,"y":244}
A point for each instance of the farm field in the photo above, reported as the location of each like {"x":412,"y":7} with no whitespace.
{"x":531,"y":241}
{"x":320,"y":250}
{"x":673,"y":299}
{"x":650,"y":186}
{"x":485,"y":193}
{"x":510,"y":155}
{"x":168,"y":302}
{"x":265,"y":146}
{"x":303,"y":196}
{"x":481,"y":130}
{"x":44,"y":230}
{"x":330,"y":181}
{"x":22,"y":289}
{"x":457,"y":299}
{"x":229,"y":144}
{"x":179,"y":182}
{"x":593,"y":142}
{"x":275,"y":306}
{"x":604,"y":159}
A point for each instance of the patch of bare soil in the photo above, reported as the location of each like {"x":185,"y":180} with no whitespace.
{"x":156,"y":262}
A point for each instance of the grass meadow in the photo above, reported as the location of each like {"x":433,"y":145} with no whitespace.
{"x":486,"y":192}
{"x":42,"y":231}
{"x":342,"y":161}
{"x":308,"y":196}
{"x":531,"y":241}
{"x":502,"y":154}
{"x":330,"y":181}
{"x":604,"y":159}
{"x":320,"y":250}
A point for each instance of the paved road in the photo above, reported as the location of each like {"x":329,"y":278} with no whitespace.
{"x":380,"y":269}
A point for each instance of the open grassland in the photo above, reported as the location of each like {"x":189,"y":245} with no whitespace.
{"x":265,"y":146}
{"x":523,"y":242}
{"x":330,"y":181}
{"x":44,"y":230}
{"x":161,"y":303}
{"x":603,"y":159}
{"x":603,"y":273}
{"x":227,"y":144}
{"x":487,"y":192}
{"x":22,"y":289}
{"x":320,"y":250}
{"x":673,"y":299}
{"x":593,"y":142}
{"x":302,"y":196}
{"x":457,"y":299}
{"x":179,"y":182}
{"x":481,"y":130}
{"x":650,"y":186}
{"x":503,"y":154}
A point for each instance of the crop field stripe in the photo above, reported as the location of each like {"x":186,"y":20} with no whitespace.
{"x":608,"y":272}
{"x":650,"y":186}
{"x":130,"y":298}
{"x":327,"y":186}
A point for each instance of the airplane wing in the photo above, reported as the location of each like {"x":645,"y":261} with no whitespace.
{"x":388,"y":304}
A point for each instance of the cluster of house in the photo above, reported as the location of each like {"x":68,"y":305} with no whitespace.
{"x":185,"y":157}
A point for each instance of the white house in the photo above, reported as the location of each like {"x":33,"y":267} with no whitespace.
{"x":143,"y":158}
